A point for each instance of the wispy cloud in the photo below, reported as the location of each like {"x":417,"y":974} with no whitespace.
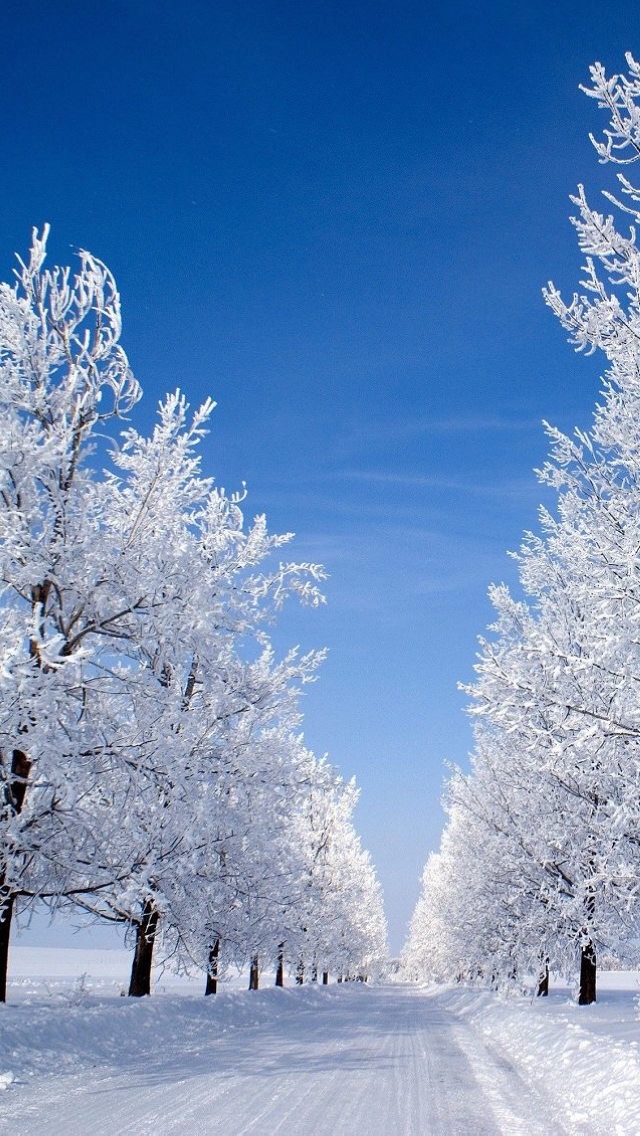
{"x":395,"y":430}
{"x":429,"y":561}
{"x":515,"y":488}
{"x":473,"y":425}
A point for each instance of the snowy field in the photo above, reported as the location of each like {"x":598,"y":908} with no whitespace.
{"x":76,"y":1058}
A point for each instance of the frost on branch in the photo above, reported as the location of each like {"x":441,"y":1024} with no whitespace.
{"x":60,"y":352}
{"x":618,"y":96}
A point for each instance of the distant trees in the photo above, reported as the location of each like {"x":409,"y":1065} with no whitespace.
{"x":151,"y":768}
{"x":338,"y":923}
{"x":540,"y":859}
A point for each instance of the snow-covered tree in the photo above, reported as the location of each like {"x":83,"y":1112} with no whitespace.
{"x":557,"y":765}
{"x":63,"y":378}
{"x":137,"y":677}
{"x":152,"y":767}
{"x":204,"y":703}
{"x":338,"y":922}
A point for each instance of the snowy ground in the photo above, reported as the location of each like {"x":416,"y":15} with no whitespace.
{"x":75,"y":1058}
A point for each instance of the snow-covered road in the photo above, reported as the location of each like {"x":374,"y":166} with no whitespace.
{"x":382,"y":1061}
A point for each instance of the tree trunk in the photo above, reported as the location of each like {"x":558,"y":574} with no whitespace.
{"x":280,"y":966}
{"x":6,"y":912}
{"x":254,"y":974}
{"x":325,"y":978}
{"x":314,"y":973}
{"x":212,"y":972}
{"x":543,"y":982}
{"x":140,"y":984}
{"x":300,"y":973}
{"x":14,"y":795}
{"x":587,"y":993}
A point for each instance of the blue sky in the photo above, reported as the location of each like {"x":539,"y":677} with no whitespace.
{"x":336,"y":218}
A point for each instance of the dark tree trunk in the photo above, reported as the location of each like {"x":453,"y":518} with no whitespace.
{"x":6,"y":912}
{"x":280,"y":966}
{"x":543,"y":982}
{"x":300,"y":973}
{"x":20,"y":767}
{"x":140,"y":984}
{"x":339,"y":978}
{"x":314,"y":973}
{"x":587,"y":993}
{"x":325,"y":978}
{"x":254,"y":974}
{"x":14,"y":795}
{"x":212,"y":972}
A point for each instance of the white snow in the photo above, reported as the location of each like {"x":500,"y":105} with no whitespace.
{"x":392,"y":1060}
{"x":587,"y":1058}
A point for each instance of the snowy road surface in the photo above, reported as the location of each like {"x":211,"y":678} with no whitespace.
{"x":381,"y":1061}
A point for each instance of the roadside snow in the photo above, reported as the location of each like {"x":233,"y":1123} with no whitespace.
{"x":586,"y":1057}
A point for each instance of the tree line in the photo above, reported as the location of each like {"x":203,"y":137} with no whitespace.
{"x":152,"y":767}
{"x":539,"y":865}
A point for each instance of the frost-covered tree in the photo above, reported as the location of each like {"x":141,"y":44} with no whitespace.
{"x":338,"y":923}
{"x":136,"y":669}
{"x":228,"y":902}
{"x":153,"y":771}
{"x":63,"y":379}
{"x":204,"y":702}
{"x":509,"y":892}
{"x":558,"y":679}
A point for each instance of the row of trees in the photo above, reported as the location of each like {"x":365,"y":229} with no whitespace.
{"x":540,"y":861}
{"x":152,"y":770}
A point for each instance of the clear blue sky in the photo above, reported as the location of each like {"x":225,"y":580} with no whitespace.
{"x":336,"y":217}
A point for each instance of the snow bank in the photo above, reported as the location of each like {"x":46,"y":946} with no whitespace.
{"x":586,"y":1058}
